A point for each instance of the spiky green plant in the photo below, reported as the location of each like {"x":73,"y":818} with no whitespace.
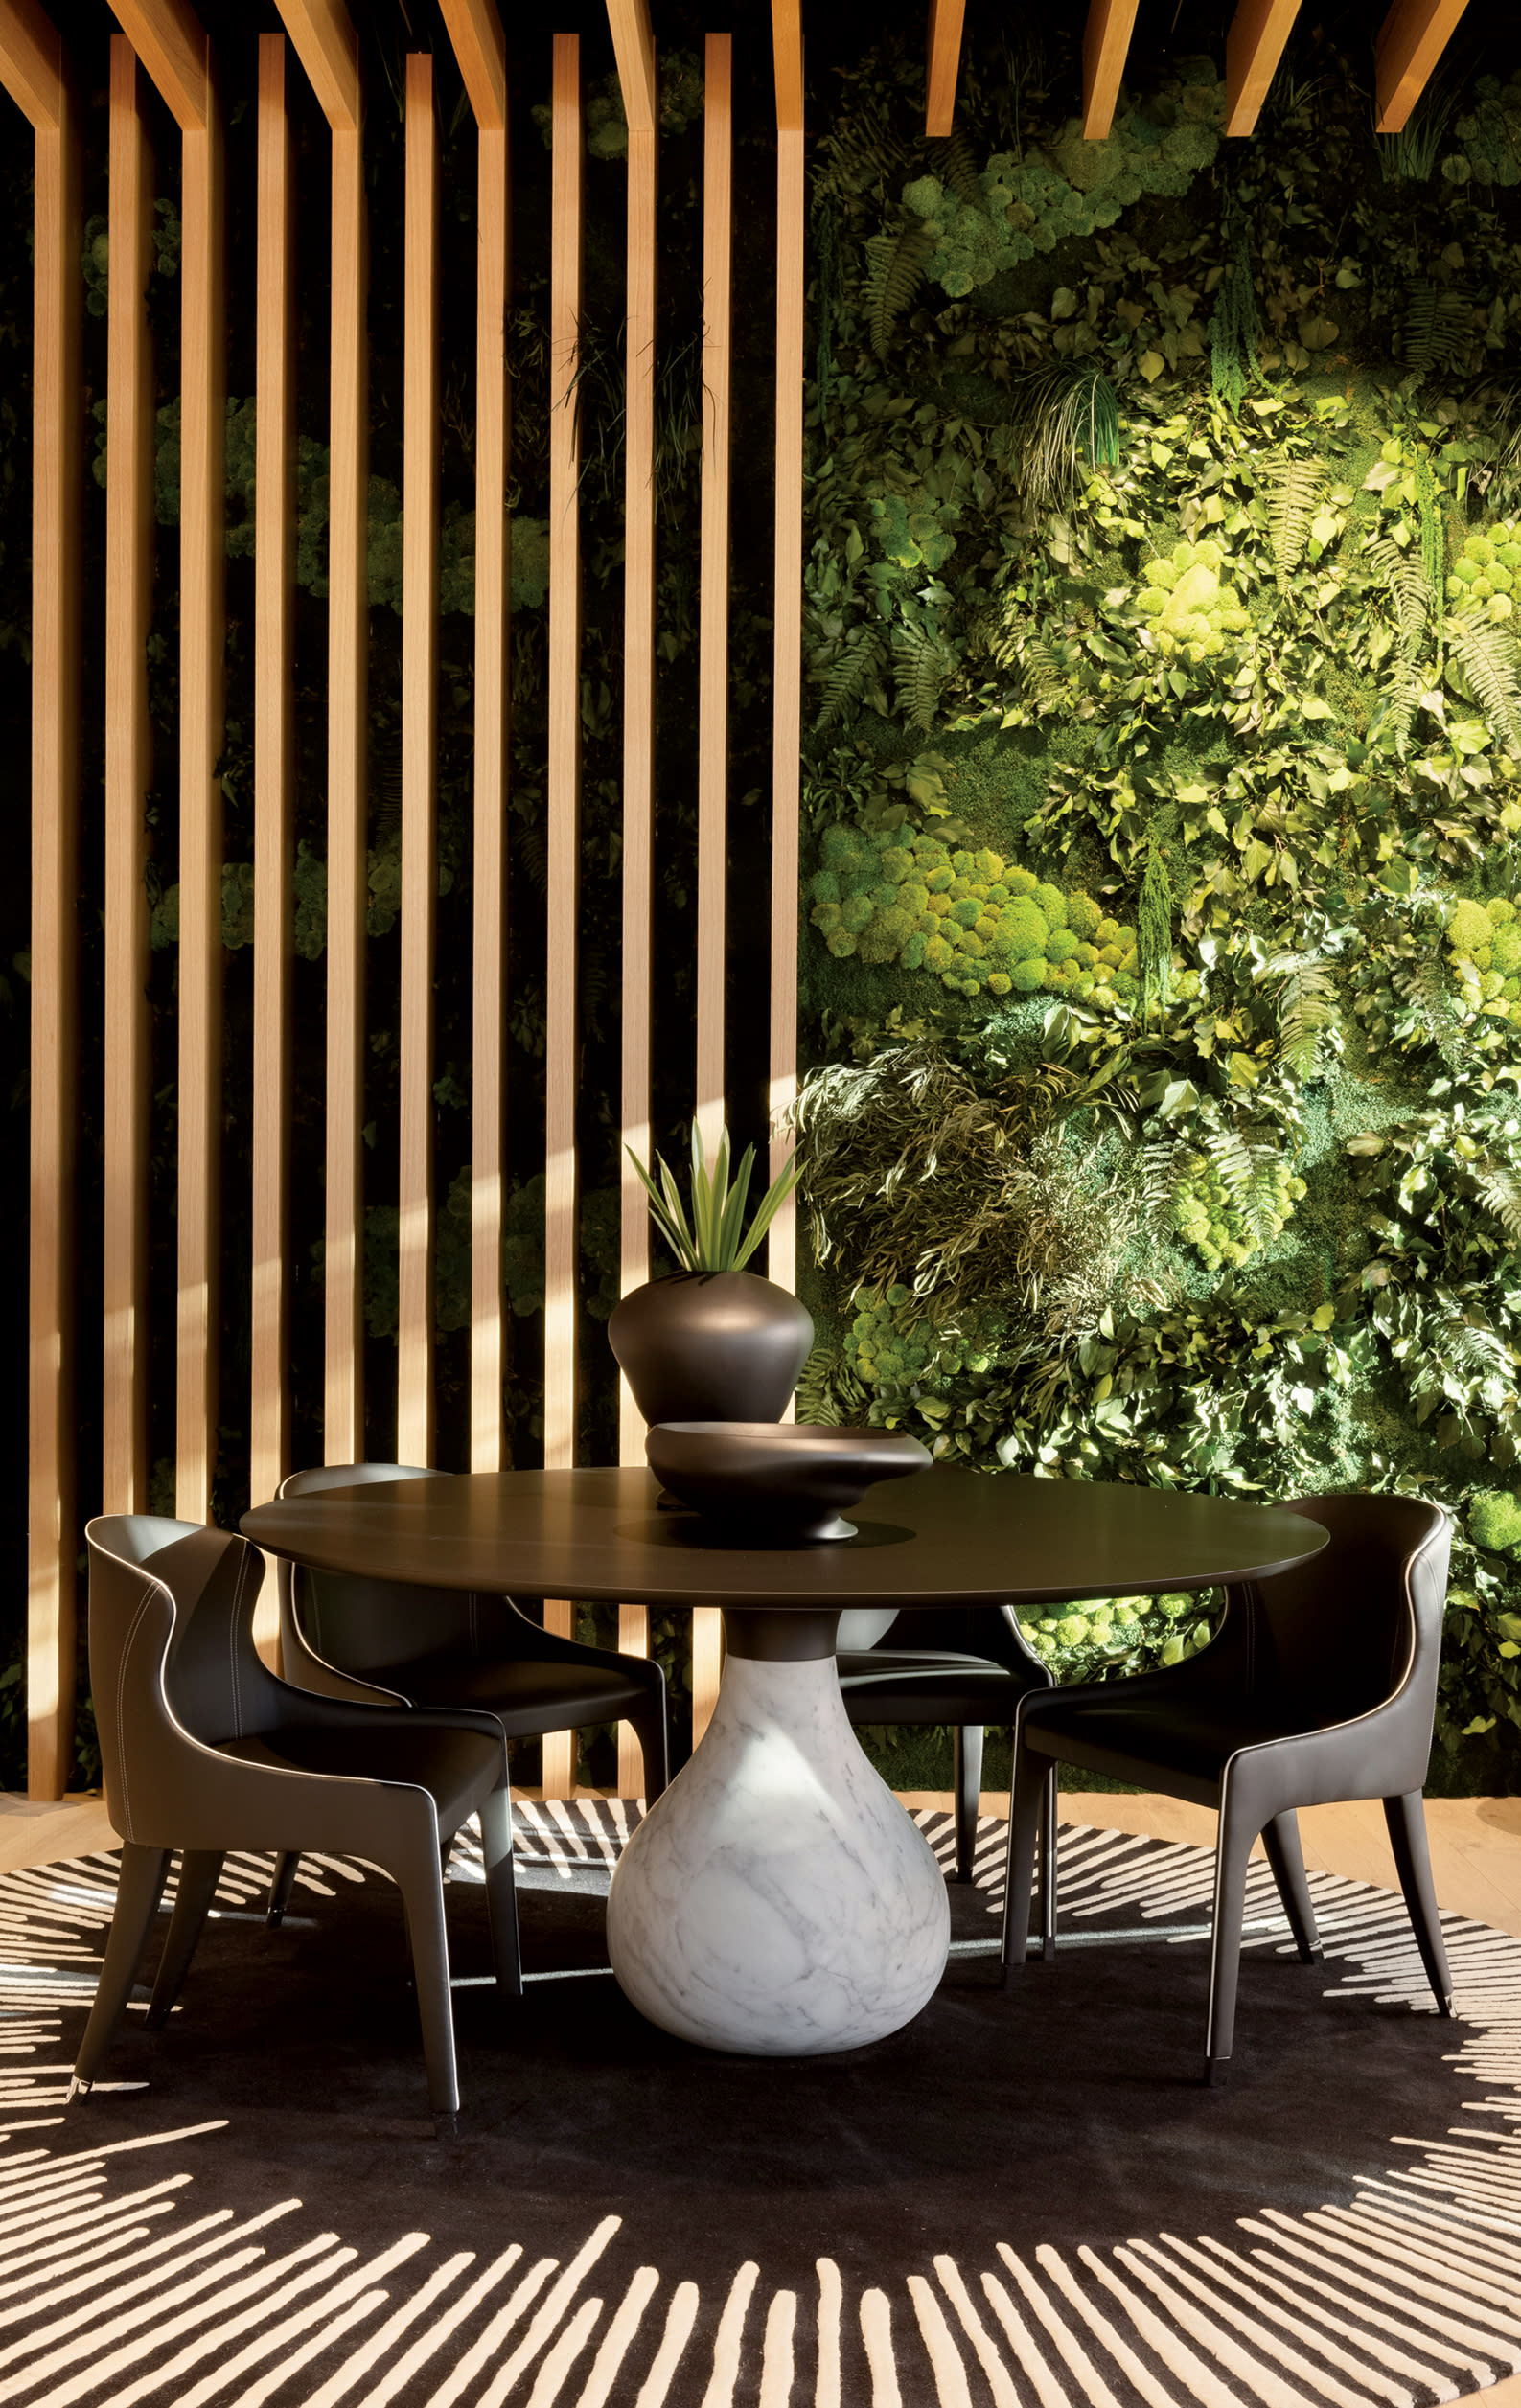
{"x":1066,"y":416}
{"x":717,"y":1237}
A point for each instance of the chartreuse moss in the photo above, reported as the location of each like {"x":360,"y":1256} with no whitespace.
{"x":1189,"y":606}
{"x":1485,"y":956}
{"x":1494,"y":1521}
{"x":1486,"y":570}
{"x":1227,"y":1227}
{"x":974,"y":920}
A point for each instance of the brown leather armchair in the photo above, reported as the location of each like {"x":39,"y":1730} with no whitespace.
{"x":203,"y":1749}
{"x":1319,"y":1685}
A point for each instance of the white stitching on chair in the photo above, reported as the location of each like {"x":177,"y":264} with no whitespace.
{"x":121,"y":1691}
{"x":232,"y":1643}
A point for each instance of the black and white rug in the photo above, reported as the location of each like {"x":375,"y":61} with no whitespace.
{"x":1026,"y":2200}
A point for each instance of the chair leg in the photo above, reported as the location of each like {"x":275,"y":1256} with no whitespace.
{"x":1047,"y":1881}
{"x":144,"y":1872}
{"x":199,"y":1871}
{"x":1232,"y":1851}
{"x":501,"y":1891}
{"x":1029,"y":1783}
{"x":1280,"y":1838}
{"x":967,"y":1743}
{"x":1406,"y":1818}
{"x":287,"y":1868}
{"x":422,"y":1898}
{"x":651,"y":1728}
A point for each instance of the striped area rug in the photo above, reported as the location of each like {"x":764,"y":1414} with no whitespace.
{"x":1026,"y":2200}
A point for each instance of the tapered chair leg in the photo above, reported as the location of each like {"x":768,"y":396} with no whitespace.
{"x":422,"y":1898}
{"x":1047,"y":1881}
{"x":1231,"y":1853}
{"x":199,"y":1871}
{"x":501,"y":1891}
{"x":967,"y":1770}
{"x":1280,"y":1839}
{"x":283,"y":1882}
{"x":144,"y":1872}
{"x":1406,"y":1818}
{"x":1029,"y":1783}
{"x":652,"y":1730}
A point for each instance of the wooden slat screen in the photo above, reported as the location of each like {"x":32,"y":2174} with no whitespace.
{"x":787,"y":668}
{"x":274,"y":619}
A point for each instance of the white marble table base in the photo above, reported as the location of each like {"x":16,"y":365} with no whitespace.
{"x":777,"y":1901}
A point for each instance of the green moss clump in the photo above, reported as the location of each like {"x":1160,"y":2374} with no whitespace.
{"x":1494,"y":1521}
{"x":1485,"y":571}
{"x":1186,"y":604}
{"x":1224,"y":1227}
{"x":1484,"y":954}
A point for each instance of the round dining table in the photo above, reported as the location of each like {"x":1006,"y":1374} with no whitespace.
{"x":777,"y":1900}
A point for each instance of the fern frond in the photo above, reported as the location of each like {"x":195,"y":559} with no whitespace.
{"x":1308,"y":1008}
{"x":1293,"y":488}
{"x":894,"y":273}
{"x":1044,"y":680}
{"x":860,"y":151}
{"x":954,"y":162}
{"x":1437,"y":331}
{"x":1163,"y":1165}
{"x":844,"y":675}
{"x":1235,"y":1158}
{"x":1500,"y":1190}
{"x":923,"y":666}
{"x":1405,"y":582}
{"x":1491,"y":664}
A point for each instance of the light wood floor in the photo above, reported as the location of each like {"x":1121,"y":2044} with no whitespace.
{"x":1475,"y":1854}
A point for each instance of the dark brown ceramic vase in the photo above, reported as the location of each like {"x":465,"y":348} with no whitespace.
{"x":711,"y":1345}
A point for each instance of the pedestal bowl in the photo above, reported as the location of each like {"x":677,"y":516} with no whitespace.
{"x":778,"y":1484}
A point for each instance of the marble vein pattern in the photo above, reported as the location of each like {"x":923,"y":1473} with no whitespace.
{"x":778,"y":1901}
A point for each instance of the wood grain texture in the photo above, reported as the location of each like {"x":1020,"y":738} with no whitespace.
{"x":348,"y":677}
{"x":786,"y":58}
{"x":58,"y":450}
{"x":31,"y":63}
{"x":633,"y":47}
{"x":633,"y":1640}
{"x":323,"y":34}
{"x":475,"y":30}
{"x":202,"y":650}
{"x":707,"y":1666}
{"x":561,"y":1045}
{"x":1252,"y":48}
{"x":712,"y":673}
{"x":1411,"y":40}
{"x":171,"y":41}
{"x":943,"y":64}
{"x":787,"y":678}
{"x":414,"y":1401}
{"x":274,"y":770}
{"x":639,"y":743}
{"x":1106,"y":45}
{"x":129,"y":542}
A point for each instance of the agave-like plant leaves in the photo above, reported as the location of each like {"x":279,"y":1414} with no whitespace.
{"x":716,"y":1238}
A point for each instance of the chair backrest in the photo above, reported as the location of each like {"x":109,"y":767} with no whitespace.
{"x":171,"y":1660}
{"x":1360,"y":1622}
{"x":369,"y":1627}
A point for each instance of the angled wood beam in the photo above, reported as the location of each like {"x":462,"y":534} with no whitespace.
{"x":633,"y":45}
{"x":480,"y":51}
{"x":1252,"y":48}
{"x":130,"y":432}
{"x":322,"y":31}
{"x":1106,"y":45}
{"x":171,"y":41}
{"x":787,"y":54}
{"x":946,"y":19}
{"x":34,"y":69}
{"x":1411,"y":40}
{"x":414,"y":1404}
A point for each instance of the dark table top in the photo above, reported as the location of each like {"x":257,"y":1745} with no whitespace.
{"x":945,"y":1536}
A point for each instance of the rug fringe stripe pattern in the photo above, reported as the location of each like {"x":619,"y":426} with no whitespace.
{"x":115,"y":2286}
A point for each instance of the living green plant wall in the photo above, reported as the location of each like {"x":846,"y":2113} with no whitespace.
{"x":1162,"y":949}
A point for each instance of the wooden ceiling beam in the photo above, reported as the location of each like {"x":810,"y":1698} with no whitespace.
{"x":171,"y":41}
{"x":474,"y":27}
{"x":1106,"y":44}
{"x":322,"y":32}
{"x":1252,"y":48}
{"x":633,"y":47}
{"x":946,"y":19}
{"x":1411,"y":40}
{"x":31,"y":63}
{"x":787,"y":47}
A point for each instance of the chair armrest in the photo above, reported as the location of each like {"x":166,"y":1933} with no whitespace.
{"x":306,"y":1710}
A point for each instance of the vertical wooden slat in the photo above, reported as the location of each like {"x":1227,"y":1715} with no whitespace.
{"x":787,"y":674}
{"x":324,"y":37}
{"x":1106,"y":45}
{"x":712,"y":675}
{"x":1411,"y":40}
{"x":564,"y":834}
{"x":32,"y":66}
{"x":943,"y":64}
{"x":637,"y":69}
{"x":274,"y":726}
{"x":1252,"y":48}
{"x":414,"y":1406}
{"x":712,"y":739}
{"x":475,"y":31}
{"x":129,"y":773}
{"x":202,"y":650}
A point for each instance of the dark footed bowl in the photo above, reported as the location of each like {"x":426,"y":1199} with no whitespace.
{"x":782,"y":1483}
